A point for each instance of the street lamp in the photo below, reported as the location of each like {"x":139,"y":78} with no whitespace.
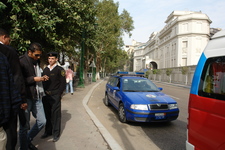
{"x":81,"y":68}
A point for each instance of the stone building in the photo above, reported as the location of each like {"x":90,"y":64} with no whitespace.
{"x":179,"y":43}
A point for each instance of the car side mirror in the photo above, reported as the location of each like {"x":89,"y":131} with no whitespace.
{"x":116,"y":88}
{"x":160,"y":88}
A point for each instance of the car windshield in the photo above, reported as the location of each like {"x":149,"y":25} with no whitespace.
{"x":139,"y":85}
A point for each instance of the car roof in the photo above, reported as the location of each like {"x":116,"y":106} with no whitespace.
{"x":132,"y":77}
{"x":128,"y":74}
{"x":129,"y":77}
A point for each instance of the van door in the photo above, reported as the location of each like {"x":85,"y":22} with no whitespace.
{"x":206,"y":121}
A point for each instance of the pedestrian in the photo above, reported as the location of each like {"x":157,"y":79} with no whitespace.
{"x":31,"y":70}
{"x":54,"y":88}
{"x":69,"y":80}
{"x":4,"y":37}
{"x":10,"y":99}
{"x":13,"y":60}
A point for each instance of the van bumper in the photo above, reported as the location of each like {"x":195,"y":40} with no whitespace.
{"x":189,"y":146}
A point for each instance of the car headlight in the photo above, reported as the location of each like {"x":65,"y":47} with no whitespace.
{"x":139,"y":107}
{"x":172,"y":106}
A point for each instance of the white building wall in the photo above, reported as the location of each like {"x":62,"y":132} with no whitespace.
{"x":179,"y":43}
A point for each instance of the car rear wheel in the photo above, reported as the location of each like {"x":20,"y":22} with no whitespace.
{"x":121,"y":112}
{"x":106,"y":100}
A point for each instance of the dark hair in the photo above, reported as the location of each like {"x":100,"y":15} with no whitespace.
{"x":69,"y":67}
{"x":35,"y":46}
{"x":4,"y":32}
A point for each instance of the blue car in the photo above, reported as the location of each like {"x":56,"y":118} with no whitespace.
{"x":138,"y":99}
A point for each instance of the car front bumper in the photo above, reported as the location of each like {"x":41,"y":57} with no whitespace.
{"x":143,"y":116}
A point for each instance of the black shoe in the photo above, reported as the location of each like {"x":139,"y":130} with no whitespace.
{"x":32,"y":147}
{"x":45,"y":135}
{"x":55,"y":139}
{"x":71,"y":93}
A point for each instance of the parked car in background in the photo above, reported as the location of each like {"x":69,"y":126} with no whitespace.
{"x":138,"y":99}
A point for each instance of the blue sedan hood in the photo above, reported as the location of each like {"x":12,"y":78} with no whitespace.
{"x":148,"y":97}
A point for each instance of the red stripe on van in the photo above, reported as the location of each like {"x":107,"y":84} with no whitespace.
{"x":206,"y":123}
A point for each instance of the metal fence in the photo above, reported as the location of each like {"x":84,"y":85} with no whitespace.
{"x":175,"y":77}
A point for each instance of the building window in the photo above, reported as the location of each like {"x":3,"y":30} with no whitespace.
{"x":199,"y":26}
{"x":185,"y":27}
{"x":184,"y":61}
{"x":184,"y":47}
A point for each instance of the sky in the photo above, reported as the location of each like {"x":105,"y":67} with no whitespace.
{"x":149,"y":15}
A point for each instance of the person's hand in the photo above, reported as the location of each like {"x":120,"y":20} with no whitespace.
{"x":46,"y":78}
{"x":39,"y":79}
{"x":23,"y":106}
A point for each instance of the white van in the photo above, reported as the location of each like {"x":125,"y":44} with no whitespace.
{"x":206,"y":118}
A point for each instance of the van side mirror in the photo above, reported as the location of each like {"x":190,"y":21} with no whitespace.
{"x":160,"y":88}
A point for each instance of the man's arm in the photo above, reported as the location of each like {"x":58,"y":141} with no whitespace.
{"x":62,"y":86}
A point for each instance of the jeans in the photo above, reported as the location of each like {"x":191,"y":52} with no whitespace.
{"x":69,"y":85}
{"x":3,"y":139}
{"x":36,"y":107}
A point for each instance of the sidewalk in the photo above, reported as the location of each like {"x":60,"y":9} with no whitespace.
{"x":78,"y":130}
{"x":174,"y":84}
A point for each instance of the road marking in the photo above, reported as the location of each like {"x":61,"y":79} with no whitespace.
{"x":174,"y":97}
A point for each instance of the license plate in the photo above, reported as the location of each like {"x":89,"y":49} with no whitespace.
{"x":159,"y":115}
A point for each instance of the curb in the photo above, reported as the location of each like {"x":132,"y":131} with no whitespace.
{"x":105,"y":133}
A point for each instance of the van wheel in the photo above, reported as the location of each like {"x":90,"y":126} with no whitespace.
{"x":106,"y":100}
{"x":121,"y":112}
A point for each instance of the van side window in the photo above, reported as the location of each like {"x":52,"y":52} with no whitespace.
{"x":212,"y":83}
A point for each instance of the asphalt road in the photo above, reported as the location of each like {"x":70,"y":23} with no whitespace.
{"x":144,"y":136}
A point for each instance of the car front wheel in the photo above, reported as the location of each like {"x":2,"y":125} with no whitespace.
{"x":121,"y":112}
{"x":106,"y":100}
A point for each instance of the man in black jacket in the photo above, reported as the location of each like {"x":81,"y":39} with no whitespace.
{"x":54,"y":88}
{"x":10,"y":99}
{"x":33,"y":81}
{"x":13,"y":59}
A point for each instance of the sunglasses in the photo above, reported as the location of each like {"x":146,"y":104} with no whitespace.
{"x":37,"y":55}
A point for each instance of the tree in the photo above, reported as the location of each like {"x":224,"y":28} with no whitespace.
{"x":185,"y":72}
{"x":155,"y":71}
{"x":111,"y":27}
{"x":58,"y":25}
{"x":168,"y":73}
{"x":159,"y":73}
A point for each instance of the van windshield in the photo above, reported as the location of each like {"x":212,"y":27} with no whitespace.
{"x":213,"y":79}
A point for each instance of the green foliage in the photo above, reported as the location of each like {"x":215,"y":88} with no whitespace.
{"x":184,"y":70}
{"x":169,"y":71}
{"x":58,"y":25}
{"x":147,"y":73}
{"x":155,"y":71}
{"x":111,"y":26}
{"x":2,"y":7}
{"x":127,"y":22}
{"x":158,"y":71}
